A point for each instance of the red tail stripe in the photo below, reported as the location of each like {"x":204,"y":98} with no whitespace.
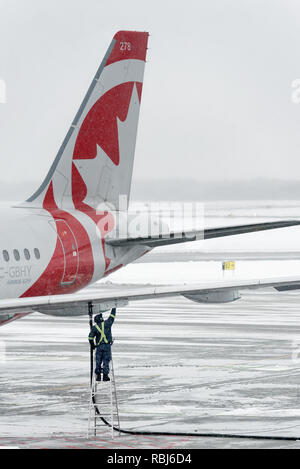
{"x":129,"y":45}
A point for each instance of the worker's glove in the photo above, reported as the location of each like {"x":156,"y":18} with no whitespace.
{"x":93,"y":346}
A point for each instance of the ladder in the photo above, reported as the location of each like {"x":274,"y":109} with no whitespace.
{"x":103,"y":408}
{"x":103,"y":401}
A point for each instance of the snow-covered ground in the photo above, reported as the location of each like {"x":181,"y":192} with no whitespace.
{"x":179,"y":366}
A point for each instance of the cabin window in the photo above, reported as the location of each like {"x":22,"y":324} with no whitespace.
{"x":27,"y":254}
{"x":37,"y":253}
{"x":16,"y":254}
{"x":5,"y":256}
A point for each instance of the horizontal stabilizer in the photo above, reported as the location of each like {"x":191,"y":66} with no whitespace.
{"x":209,"y":233}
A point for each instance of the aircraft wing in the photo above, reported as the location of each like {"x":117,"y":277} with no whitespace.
{"x":109,"y":296}
{"x":207,"y":233}
{"x":199,"y":255}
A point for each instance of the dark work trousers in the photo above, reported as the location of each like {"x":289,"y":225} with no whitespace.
{"x":103,"y":355}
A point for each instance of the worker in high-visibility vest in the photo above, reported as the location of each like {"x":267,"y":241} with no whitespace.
{"x":100,"y":337}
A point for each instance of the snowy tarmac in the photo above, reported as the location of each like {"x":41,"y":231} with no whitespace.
{"x":179,"y":367}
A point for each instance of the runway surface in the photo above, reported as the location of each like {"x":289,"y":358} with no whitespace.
{"x":179,"y":366}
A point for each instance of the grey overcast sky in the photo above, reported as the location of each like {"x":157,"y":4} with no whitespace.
{"x":217,"y":93}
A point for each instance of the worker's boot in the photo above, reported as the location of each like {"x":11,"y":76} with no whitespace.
{"x":98,"y":377}
{"x":106,"y":378}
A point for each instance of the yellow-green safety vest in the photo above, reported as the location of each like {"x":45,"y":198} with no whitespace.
{"x":102,"y":334}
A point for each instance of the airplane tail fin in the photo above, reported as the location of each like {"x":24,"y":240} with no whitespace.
{"x":95,"y":162}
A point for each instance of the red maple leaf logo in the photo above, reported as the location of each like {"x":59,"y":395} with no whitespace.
{"x":100,"y":125}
